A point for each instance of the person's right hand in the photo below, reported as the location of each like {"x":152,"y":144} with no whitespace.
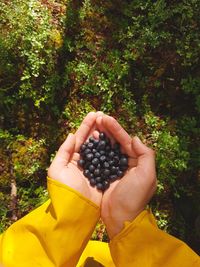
{"x":64,"y":166}
{"x":127,"y":197}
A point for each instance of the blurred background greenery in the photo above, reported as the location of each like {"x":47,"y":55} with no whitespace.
{"x":138,"y":61}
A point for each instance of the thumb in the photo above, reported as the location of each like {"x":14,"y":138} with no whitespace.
{"x":145,"y":155}
{"x":65,"y":151}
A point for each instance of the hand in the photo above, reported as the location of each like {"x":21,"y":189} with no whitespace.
{"x":127,"y":197}
{"x":64,"y":166}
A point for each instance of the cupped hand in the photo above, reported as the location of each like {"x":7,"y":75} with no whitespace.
{"x":127,"y":197}
{"x":64,"y":166}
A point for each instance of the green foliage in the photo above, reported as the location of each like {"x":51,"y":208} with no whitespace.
{"x":136,"y":60}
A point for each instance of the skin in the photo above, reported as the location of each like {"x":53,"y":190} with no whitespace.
{"x":125,"y":198}
{"x":64,"y":167}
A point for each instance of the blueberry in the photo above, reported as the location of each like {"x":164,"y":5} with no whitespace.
{"x":102,"y":152}
{"x":89,"y":156}
{"x":81,"y":162}
{"x":106,"y":164}
{"x":123,"y":168}
{"x":107,"y":148}
{"x":111,"y":154}
{"x":120,"y":173}
{"x":102,"y":158}
{"x":87,"y":151}
{"x":83,"y":147}
{"x":92,"y":140}
{"x":98,"y":179}
{"x":99,"y":186}
{"x":98,"y":166}
{"x":94,"y":150}
{"x":102,"y":135}
{"x":95,"y":161}
{"x":111,"y":162}
{"x":97,"y":172}
{"x":97,"y":155}
{"x":86,"y":173}
{"x":106,"y":172}
{"x":105,"y":184}
{"x":92,"y":182}
{"x":96,"y":142}
{"x":123,"y":161}
{"x":90,"y":175}
{"x":113,"y":170}
{"x":116,"y":160}
{"x":113,"y":177}
{"x":90,"y":145}
{"x":91,"y":168}
{"x":102,"y":144}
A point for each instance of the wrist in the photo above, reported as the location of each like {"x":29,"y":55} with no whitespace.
{"x":115,"y":221}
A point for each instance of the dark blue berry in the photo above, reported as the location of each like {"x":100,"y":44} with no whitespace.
{"x":120,"y":173}
{"x":83,"y":147}
{"x":113,"y":170}
{"x":95,"y":161}
{"x":87,"y":151}
{"x":90,"y":145}
{"x":102,"y":158}
{"x":98,"y":179}
{"x":99,"y":186}
{"x":91,"y":139}
{"x":106,"y":172}
{"x":91,"y":168}
{"x":102,"y":152}
{"x":111,"y":154}
{"x":102,"y":144}
{"x":86,"y":173}
{"x":97,"y":155}
{"x":123,"y":161}
{"x":92,"y":182}
{"x":102,"y":135}
{"x":123,"y":168}
{"x":113,"y":177}
{"x":81,"y":162}
{"x":106,"y":164}
{"x":105,"y":184}
{"x":97,"y":172}
{"x":89,"y":156}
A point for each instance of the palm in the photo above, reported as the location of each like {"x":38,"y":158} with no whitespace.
{"x":73,"y":177}
{"x":132,"y":184}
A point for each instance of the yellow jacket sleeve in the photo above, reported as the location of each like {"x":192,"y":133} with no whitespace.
{"x":142,"y":244}
{"x":53,"y":235}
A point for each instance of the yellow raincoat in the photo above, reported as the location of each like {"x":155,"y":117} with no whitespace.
{"x":57,"y":233}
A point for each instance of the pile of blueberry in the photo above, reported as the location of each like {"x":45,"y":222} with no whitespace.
{"x":102,"y":162}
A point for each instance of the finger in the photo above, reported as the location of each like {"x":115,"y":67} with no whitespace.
{"x":102,"y":128}
{"x":65,"y":151}
{"x":84,"y":130}
{"x":146,"y":157}
{"x":95,"y":134}
{"x":98,"y":114}
{"x":119,"y":134}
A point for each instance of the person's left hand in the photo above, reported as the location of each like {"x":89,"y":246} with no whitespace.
{"x":64,"y":166}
